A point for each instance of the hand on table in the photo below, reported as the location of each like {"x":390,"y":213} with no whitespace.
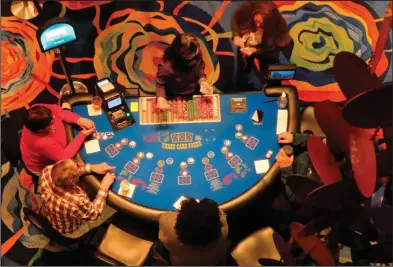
{"x":86,"y":123}
{"x":163,"y":104}
{"x":108,"y":180}
{"x":102,"y":168}
{"x":205,"y":88}
{"x":283,"y":160}
{"x":285,"y":138}
{"x":88,"y":132}
{"x":248,"y":51}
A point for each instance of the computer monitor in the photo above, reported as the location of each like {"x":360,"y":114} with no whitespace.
{"x":55,"y":33}
{"x":281,"y":72}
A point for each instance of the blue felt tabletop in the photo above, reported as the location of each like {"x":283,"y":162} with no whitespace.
{"x":159,"y":184}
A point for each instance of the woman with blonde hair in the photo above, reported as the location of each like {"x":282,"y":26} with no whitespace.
{"x":259,"y":31}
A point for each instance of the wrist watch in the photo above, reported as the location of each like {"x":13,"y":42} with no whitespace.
{"x":88,"y":168}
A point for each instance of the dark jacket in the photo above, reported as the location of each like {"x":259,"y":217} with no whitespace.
{"x":179,"y":80}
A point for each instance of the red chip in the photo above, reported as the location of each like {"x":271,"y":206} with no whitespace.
{"x":312,"y":246}
{"x":323,"y":161}
{"x":358,"y":79}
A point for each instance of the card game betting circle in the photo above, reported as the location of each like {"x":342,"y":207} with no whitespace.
{"x":201,"y":147}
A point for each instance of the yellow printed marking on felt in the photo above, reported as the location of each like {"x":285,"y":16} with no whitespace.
{"x":134,"y":107}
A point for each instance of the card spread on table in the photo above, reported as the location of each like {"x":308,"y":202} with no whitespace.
{"x":261,"y":166}
{"x":134,"y":107}
{"x":92,"y":146}
{"x":282,"y":121}
{"x":92,"y":111}
{"x":129,"y":193}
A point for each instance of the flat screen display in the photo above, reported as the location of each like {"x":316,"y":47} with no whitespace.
{"x":281,"y":74}
{"x":57,"y":35}
{"x":114,"y":103}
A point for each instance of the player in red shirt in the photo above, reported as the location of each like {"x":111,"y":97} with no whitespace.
{"x":182,"y":71}
{"x":44,"y":140}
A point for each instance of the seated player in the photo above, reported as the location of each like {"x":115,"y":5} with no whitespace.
{"x":259,"y":31}
{"x":44,"y":140}
{"x":66,"y":206}
{"x":196,"y":234}
{"x":182,"y":71}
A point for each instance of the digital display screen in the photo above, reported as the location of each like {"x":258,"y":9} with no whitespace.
{"x":281,"y":74}
{"x":101,"y":83}
{"x":114,"y":103}
{"x":57,"y":35}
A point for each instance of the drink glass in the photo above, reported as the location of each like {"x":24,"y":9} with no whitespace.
{"x":97,"y":102}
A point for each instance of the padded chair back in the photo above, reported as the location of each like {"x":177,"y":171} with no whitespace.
{"x":124,"y":247}
{"x":259,"y":245}
{"x":309,"y":122}
{"x":40,"y":223}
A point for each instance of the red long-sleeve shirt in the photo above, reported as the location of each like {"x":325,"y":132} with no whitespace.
{"x":42,"y":149}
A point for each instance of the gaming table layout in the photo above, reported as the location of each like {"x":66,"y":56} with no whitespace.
{"x":217,"y":154}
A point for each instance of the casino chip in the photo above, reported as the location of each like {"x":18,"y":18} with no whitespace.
{"x":183,"y":165}
{"x":230,"y":155}
{"x":245,"y":137}
{"x":239,"y":127}
{"x":104,"y":137}
{"x":136,"y":160}
{"x":149,"y":155}
{"x":227,"y":143}
{"x":210,"y":154}
{"x":132,"y":144}
{"x":169,"y":161}
{"x":141,"y":155}
{"x":118,"y":145}
{"x":238,"y":135}
{"x":224,"y":150}
{"x":191,"y":161}
{"x":205,"y":160}
{"x":124,"y":141}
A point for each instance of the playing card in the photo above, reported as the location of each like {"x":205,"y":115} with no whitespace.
{"x":184,"y":180}
{"x":182,"y":137}
{"x":235,"y":161}
{"x":156,"y":177}
{"x":252,"y":142}
{"x":131,"y":167}
{"x":175,"y":137}
{"x":111,"y":150}
{"x":188,"y":137}
{"x":177,"y":204}
{"x":211,"y":174}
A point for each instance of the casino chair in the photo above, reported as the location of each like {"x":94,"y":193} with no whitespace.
{"x":263,"y":247}
{"x":118,"y":247}
{"x":309,"y":122}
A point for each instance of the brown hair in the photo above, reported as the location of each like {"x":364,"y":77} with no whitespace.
{"x":275,"y":28}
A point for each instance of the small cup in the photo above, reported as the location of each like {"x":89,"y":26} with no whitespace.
{"x":125,"y":187}
{"x":96,"y":102}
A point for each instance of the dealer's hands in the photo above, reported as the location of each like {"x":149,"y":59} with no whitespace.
{"x":108,"y":180}
{"x":86,"y":123}
{"x":248,"y":51}
{"x":283,"y":160}
{"x":88,"y":132}
{"x":285,"y":138}
{"x":101,"y":168}
{"x":205,"y":88}
{"x":162,"y":103}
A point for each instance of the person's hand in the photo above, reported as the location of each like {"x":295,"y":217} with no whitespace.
{"x":238,"y":41}
{"x":285,"y":138}
{"x":85,"y":123}
{"x":163,"y":104}
{"x":248,"y":51}
{"x":107,"y":181}
{"x":283,"y":160}
{"x":101,"y":168}
{"x":88,"y":132}
{"x":205,"y":88}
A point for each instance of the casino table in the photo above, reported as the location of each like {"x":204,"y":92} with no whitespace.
{"x":224,"y":160}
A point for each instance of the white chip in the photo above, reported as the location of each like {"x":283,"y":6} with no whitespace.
{"x":239,"y":127}
{"x":132,"y":144}
{"x":227,"y":143}
{"x":104,"y":137}
{"x":210,"y":154}
{"x":190,"y":160}
{"x":149,"y":155}
{"x":270,"y":152}
{"x":169,"y":161}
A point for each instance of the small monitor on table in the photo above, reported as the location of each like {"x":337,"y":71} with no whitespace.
{"x":279,"y":72}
